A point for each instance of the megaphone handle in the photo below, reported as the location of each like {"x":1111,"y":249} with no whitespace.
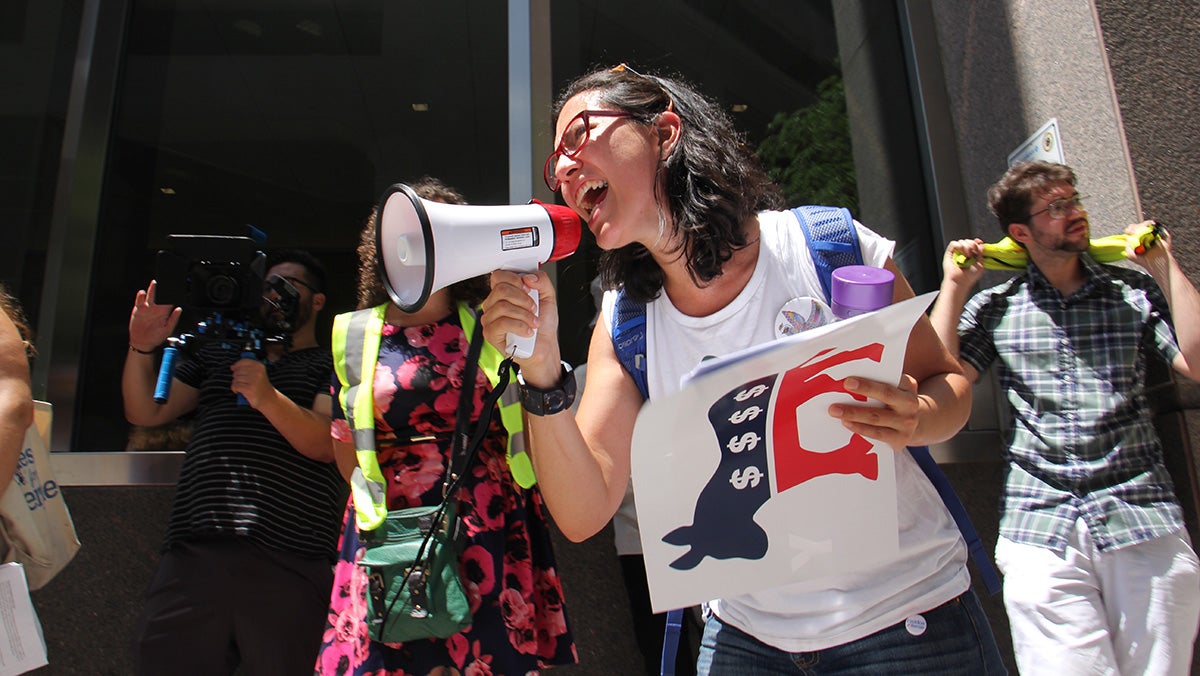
{"x":522,"y":346}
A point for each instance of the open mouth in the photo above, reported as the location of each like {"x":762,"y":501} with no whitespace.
{"x":591,"y":194}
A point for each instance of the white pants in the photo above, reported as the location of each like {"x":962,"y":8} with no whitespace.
{"x":1131,"y":611}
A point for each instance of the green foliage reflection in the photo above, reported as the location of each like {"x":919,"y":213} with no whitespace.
{"x":807,"y":152}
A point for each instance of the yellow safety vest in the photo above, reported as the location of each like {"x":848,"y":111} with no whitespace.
{"x":356,"y":337}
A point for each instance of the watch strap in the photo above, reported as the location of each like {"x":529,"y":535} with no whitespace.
{"x":539,"y":402}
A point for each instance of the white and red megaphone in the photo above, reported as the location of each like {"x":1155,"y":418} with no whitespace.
{"x":425,"y":246}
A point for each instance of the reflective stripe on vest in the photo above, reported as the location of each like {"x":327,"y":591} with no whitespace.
{"x":356,"y":338}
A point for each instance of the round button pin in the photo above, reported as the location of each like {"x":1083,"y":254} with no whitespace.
{"x":916,"y":625}
{"x":801,"y":314}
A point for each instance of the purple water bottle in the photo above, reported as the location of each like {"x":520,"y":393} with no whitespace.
{"x":858,"y":289}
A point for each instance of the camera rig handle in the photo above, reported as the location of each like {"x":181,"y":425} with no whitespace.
{"x":248,"y":353}
{"x":166,"y":371}
{"x":229,"y":332}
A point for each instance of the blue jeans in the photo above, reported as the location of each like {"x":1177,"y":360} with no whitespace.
{"x":957,"y":640}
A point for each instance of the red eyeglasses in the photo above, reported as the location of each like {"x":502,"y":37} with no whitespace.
{"x":574,"y":138}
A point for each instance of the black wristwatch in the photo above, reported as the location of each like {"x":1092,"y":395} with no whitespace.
{"x":548,"y":402}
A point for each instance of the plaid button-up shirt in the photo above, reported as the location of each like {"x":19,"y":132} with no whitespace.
{"x":1073,"y":370}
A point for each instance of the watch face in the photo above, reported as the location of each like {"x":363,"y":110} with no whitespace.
{"x":556,"y":401}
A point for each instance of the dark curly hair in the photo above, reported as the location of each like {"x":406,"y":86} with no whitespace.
{"x":371,"y":291}
{"x":714,"y":181}
{"x":1011,"y":198}
{"x":10,"y":307}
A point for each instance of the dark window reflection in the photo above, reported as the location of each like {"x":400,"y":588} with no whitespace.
{"x":37,"y":46}
{"x":290,"y":120}
{"x":293,"y":118}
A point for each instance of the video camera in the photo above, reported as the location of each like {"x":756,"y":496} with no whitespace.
{"x":211,"y":273}
{"x":222,"y":278}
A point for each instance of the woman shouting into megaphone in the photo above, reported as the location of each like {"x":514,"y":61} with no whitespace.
{"x":686,"y":219}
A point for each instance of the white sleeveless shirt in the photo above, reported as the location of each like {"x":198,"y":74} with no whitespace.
{"x":930,"y":567}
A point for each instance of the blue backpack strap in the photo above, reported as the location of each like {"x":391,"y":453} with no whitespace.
{"x":671,"y":641}
{"x":831,"y":238}
{"x":983,"y":562}
{"x":629,"y":338}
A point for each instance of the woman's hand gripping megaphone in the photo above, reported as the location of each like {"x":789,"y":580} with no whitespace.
{"x":521,"y":306}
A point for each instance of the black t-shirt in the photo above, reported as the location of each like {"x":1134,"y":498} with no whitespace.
{"x":240,"y":477}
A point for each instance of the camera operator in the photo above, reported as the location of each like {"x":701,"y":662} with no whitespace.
{"x":245,"y":573}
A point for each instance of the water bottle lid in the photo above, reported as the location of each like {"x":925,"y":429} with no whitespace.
{"x":861,"y":287}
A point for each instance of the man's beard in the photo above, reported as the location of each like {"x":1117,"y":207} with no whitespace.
{"x":276,"y":322}
{"x":1066,"y":243}
{"x":304,"y":312}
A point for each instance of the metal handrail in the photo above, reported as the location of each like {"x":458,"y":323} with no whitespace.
{"x":161,"y":468}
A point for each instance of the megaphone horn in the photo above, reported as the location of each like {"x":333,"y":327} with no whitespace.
{"x":424,"y":246}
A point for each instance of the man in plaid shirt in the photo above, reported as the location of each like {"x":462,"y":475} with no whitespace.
{"x":1100,"y":574}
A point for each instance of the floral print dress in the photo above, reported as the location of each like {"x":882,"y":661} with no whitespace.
{"x":507,"y":565}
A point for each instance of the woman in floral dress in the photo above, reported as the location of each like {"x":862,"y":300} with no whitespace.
{"x":507,"y":564}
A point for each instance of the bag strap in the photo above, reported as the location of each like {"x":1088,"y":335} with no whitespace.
{"x":832,"y":240}
{"x":511,"y":415}
{"x":471,"y":445}
{"x":629,"y":338}
{"x":671,"y":632}
{"x":462,"y":453}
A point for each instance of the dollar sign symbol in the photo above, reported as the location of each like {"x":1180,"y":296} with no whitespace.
{"x":750,"y":393}
{"x":742,"y":416}
{"x":746,"y":442}
{"x":743,"y":477}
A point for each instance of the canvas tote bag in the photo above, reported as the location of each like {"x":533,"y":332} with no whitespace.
{"x":35,"y":526}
